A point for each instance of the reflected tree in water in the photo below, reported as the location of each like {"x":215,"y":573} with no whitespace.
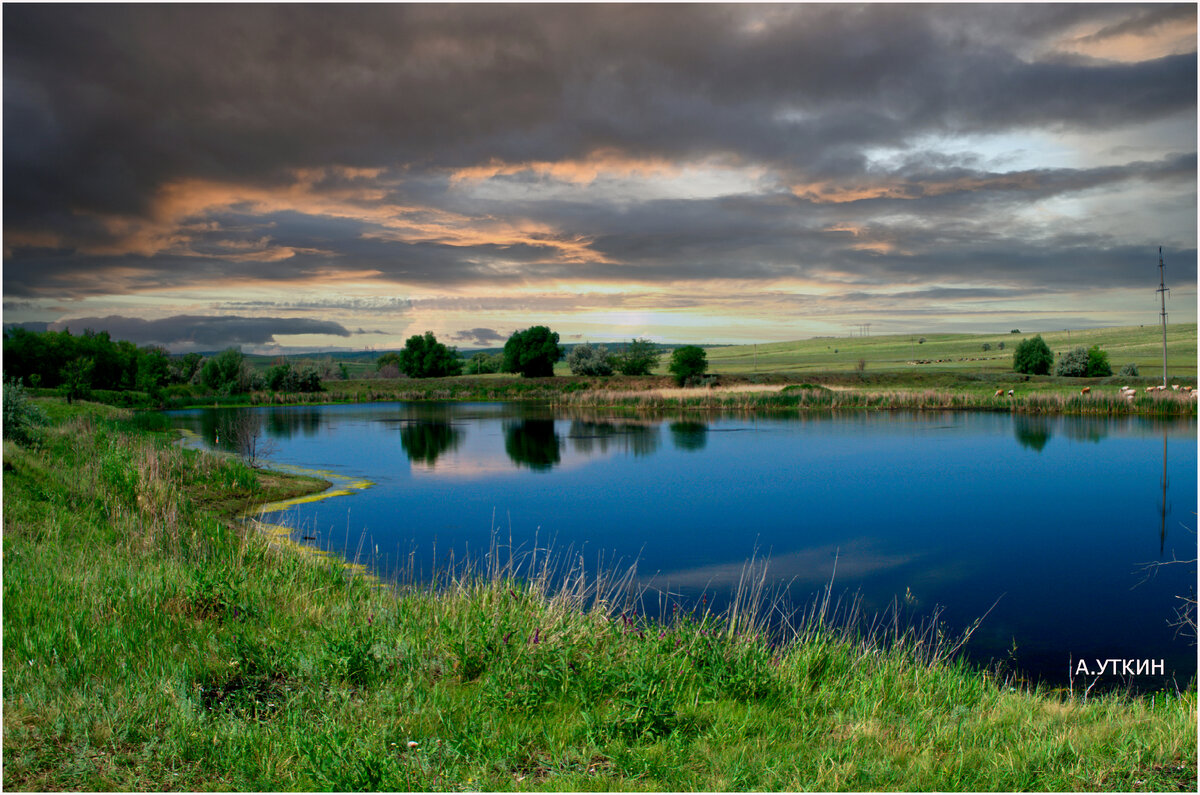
{"x":1032,"y":432}
{"x":589,"y":437}
{"x":286,"y":423}
{"x":532,"y":443}
{"x":689,"y":435}
{"x":1086,"y":429}
{"x":425,"y":441}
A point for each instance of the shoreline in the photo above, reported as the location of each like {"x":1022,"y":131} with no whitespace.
{"x":153,"y":643}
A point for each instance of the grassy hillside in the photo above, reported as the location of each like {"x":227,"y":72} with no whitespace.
{"x":151,"y":642}
{"x":958,"y":352}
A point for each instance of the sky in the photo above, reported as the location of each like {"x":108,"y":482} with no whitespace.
{"x":287,"y":177}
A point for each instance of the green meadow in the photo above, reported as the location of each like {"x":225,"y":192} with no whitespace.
{"x":154,"y":641}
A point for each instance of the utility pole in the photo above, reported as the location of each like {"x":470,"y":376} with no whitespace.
{"x":1162,"y":288}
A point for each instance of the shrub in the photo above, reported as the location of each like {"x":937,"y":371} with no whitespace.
{"x":1097,"y":365}
{"x":1130,"y":369}
{"x":21,"y":417}
{"x":425,"y":357}
{"x":532,"y":352}
{"x":639,"y":358}
{"x":1000,"y":346}
{"x":1033,"y":357}
{"x":1073,"y":363}
{"x":690,"y":361}
{"x":588,"y":359}
{"x":987,"y":346}
{"x":391,"y":358}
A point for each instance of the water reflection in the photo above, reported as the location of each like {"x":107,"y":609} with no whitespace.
{"x":532,"y":443}
{"x":689,"y":435}
{"x":1032,"y":432}
{"x":1162,"y":506}
{"x":423,"y":442}
{"x":591,"y":437}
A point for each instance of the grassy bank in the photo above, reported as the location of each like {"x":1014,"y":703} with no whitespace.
{"x":150,"y":642}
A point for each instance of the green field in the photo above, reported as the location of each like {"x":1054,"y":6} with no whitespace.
{"x":958,"y":353}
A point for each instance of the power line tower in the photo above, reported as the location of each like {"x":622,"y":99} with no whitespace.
{"x":1162,"y":289}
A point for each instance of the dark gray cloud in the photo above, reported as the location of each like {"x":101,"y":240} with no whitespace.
{"x":106,"y":107}
{"x":482,"y":337}
{"x":193,"y":332}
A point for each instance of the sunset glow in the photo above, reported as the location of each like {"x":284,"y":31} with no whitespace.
{"x":711,"y":173}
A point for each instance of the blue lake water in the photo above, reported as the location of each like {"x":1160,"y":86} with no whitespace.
{"x":1055,"y":517}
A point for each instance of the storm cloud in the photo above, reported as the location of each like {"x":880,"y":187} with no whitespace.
{"x":194,"y":332}
{"x":459,"y":153}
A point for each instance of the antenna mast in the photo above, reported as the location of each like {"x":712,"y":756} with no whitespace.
{"x":1162,"y":288}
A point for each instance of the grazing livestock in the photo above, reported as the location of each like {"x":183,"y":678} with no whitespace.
{"x":1085,"y":390}
{"x":1175,"y":387}
{"x":1010,"y":393}
{"x":999,"y":392}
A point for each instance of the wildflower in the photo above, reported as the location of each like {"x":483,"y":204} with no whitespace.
{"x":412,"y":743}
{"x":662,"y":634}
{"x":507,"y":635}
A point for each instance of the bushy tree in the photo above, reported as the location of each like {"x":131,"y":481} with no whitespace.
{"x":1073,"y":363}
{"x":639,"y":357}
{"x":588,"y":359}
{"x":690,"y":361}
{"x":225,"y":372}
{"x":532,"y":352}
{"x":987,"y":346}
{"x":76,"y":379}
{"x":391,"y":358}
{"x":1080,"y":362}
{"x":185,"y":368}
{"x":153,"y":369}
{"x":1129,"y":370}
{"x":21,"y":417}
{"x":1098,"y":365}
{"x":425,"y":357}
{"x":1033,"y":356}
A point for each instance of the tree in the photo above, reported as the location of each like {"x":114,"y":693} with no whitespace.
{"x":639,"y":358}
{"x":1130,"y":370}
{"x":1033,"y":357}
{"x":425,"y":357}
{"x":688,"y":362}
{"x":225,"y":372}
{"x":987,"y":346}
{"x":532,"y":352}
{"x":153,"y":370}
{"x":77,"y":379}
{"x":1073,"y":363}
{"x":390,"y":358}
{"x":588,"y":359}
{"x":1098,"y":365}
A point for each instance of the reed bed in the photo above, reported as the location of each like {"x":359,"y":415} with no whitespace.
{"x":822,"y":399}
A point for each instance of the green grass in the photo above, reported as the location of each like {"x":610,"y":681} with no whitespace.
{"x":150,"y":642}
{"x":959,"y":353}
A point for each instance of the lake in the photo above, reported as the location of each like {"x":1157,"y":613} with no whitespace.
{"x":1053,"y":520}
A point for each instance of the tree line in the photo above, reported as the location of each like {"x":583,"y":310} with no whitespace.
{"x":1033,"y":357}
{"x":533,"y":352}
{"x":78,"y":364}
